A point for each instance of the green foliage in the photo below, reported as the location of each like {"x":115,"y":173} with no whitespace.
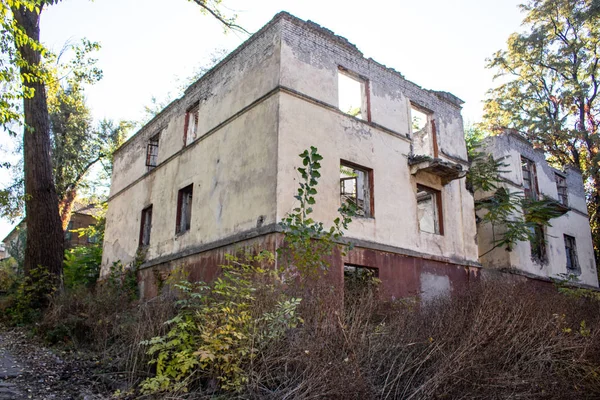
{"x":484,"y":172}
{"x":308,"y":243}
{"x":16,"y":248}
{"x":32,"y":296}
{"x":221,"y":326}
{"x":8,"y":275}
{"x":550,"y":88}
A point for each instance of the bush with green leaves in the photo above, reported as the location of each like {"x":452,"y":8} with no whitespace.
{"x":221,"y":326}
{"x":33,"y":294}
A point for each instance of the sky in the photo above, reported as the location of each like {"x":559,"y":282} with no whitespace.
{"x":150,"y":46}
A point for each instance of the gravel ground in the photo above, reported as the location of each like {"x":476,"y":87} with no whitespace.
{"x":29,"y":370}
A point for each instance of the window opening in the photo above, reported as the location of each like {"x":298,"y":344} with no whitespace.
{"x":355,"y":189}
{"x":429,"y":210}
{"x":571,"y":253}
{"x":529,"y":178}
{"x":68,"y":233}
{"x":152,"y":152}
{"x":184,"y":209}
{"x":423,"y":138}
{"x":359,"y":278}
{"x":538,"y":244}
{"x":561,"y":188}
{"x":352,"y":95}
{"x":191,"y":124}
{"x":146,"y":226}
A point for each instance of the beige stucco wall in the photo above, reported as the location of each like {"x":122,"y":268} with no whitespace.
{"x":509,"y":149}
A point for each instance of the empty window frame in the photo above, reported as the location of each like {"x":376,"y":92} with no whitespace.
{"x":145,"y":226}
{"x":571,"y":253}
{"x":429,"y":210}
{"x":191,"y":124}
{"x":356,"y":188}
{"x":353,"y":94}
{"x":538,"y":244}
{"x":184,"y":210}
{"x":561,"y":188}
{"x":423,"y":132}
{"x":152,"y":152}
{"x":530,"y":187}
{"x":357,"y":277}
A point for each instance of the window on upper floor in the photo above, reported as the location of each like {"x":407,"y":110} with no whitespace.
{"x":146,"y":226}
{"x":191,"y":124}
{"x":530,"y":185}
{"x":184,"y":210}
{"x":152,"y":152}
{"x":571,"y":253}
{"x":356,"y":188}
{"x":353,"y":94}
{"x":538,"y":244}
{"x":429,"y":210}
{"x":422,"y":132}
{"x":561,"y":188}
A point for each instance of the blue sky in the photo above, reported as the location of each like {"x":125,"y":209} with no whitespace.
{"x":149,"y":46}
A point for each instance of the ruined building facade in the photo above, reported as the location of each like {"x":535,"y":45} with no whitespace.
{"x":216,"y":169}
{"x":562,"y":250}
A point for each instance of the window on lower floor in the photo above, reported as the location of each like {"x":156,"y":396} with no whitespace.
{"x":571,"y":253}
{"x":429,"y":210}
{"x":357,"y":277}
{"x":538,"y":244}
{"x":184,"y":209}
{"x":146,"y":226}
{"x":356,"y":188}
{"x":68,"y":232}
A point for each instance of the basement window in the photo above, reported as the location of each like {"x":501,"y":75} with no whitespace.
{"x":530,"y":187}
{"x":429,"y":210}
{"x":358,"y":278}
{"x":421,"y":128}
{"x":145,"y":226}
{"x":356,"y":188}
{"x":561,"y":188}
{"x":184,"y":210}
{"x":571,"y":253}
{"x":537,"y":242}
{"x":191,"y":124}
{"x":352,"y":94}
{"x":152,"y":152}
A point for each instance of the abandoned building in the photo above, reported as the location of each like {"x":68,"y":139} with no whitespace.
{"x":557,"y":251}
{"x":216,"y":169}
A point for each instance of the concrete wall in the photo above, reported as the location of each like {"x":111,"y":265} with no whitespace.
{"x":509,"y":148}
{"x":309,"y":117}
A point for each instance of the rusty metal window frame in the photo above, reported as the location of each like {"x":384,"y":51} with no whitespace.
{"x":152,"y":152}
{"x":184,"y":209}
{"x":367,"y":208}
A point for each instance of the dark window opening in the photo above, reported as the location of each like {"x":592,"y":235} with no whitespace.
{"x":571,"y":253}
{"x":561,"y":188}
{"x":530,"y":186}
{"x":68,"y":233}
{"x":184,"y":210}
{"x":152,"y":152}
{"x":146,"y":226}
{"x":359,"y":278}
{"x":356,"y":188}
{"x":191,"y":124}
{"x":429,"y":210}
{"x":538,"y":244}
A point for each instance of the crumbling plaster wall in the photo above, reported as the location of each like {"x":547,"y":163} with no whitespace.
{"x":509,"y":147}
{"x":309,"y":116}
{"x":232,"y":164}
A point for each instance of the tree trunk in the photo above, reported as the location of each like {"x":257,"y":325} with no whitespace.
{"x":45,"y":240}
{"x":65,"y":207}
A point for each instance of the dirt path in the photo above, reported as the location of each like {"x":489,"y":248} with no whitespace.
{"x":29,"y":370}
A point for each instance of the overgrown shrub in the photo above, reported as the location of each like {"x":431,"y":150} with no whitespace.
{"x":221,"y":327}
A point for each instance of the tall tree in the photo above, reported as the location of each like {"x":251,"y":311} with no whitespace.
{"x":549,"y":94}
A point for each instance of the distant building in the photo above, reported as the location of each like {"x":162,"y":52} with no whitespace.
{"x":83,"y":216}
{"x":216,"y":169}
{"x":563,"y":249}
